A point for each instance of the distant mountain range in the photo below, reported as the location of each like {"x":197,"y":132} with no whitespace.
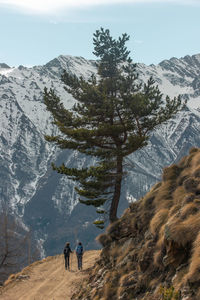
{"x":45,"y":200}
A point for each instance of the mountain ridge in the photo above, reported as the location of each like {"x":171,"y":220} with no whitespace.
{"x":46,"y":201}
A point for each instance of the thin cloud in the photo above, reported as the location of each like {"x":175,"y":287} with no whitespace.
{"x":55,"y":6}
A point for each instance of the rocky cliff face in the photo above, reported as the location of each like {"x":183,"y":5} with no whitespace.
{"x":45,"y":200}
{"x":153,"y":251}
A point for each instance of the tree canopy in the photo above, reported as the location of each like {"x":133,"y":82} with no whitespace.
{"x":112,"y":117}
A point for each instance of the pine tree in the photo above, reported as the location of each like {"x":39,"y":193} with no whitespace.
{"x":113,"y":117}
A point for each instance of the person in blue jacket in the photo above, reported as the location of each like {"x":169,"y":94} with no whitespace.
{"x":79,"y":254}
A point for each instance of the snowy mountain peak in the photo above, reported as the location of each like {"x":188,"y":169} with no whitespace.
{"x":4,"y":66}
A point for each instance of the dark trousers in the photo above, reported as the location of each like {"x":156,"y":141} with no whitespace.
{"x":66,"y":261}
{"x":79,"y":260}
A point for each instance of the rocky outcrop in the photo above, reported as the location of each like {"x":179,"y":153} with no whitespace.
{"x":153,"y":251}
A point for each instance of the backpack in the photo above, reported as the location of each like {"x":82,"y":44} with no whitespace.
{"x":79,"y":249}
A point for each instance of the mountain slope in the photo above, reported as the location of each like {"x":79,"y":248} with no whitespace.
{"x":46,"y":201}
{"x":153,"y":250}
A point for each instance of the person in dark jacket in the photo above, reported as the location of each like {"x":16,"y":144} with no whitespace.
{"x":67,"y":251}
{"x":79,"y":254}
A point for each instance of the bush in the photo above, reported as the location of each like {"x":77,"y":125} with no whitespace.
{"x":169,"y":293}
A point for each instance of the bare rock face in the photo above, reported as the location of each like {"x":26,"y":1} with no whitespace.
{"x":154,"y":248}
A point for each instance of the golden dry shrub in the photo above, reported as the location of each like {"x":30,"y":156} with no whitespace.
{"x":188,"y":209}
{"x":197,"y":200}
{"x":158,"y":220}
{"x":196,"y":159}
{"x":111,"y":285}
{"x":190,"y":184}
{"x":196,"y":172}
{"x":198,"y":189}
{"x":114,"y":229}
{"x":183,"y":176}
{"x":126,"y":212}
{"x":121,"y":253}
{"x":109,"y":291}
{"x":10,"y":279}
{"x":189,"y":159}
{"x":115,"y":254}
{"x":171,"y":173}
{"x":193,"y":274}
{"x":96,"y":298}
{"x":147,"y":201}
{"x":161,"y":237}
{"x":182,"y":162}
{"x":155,"y":187}
{"x":179,"y":276}
{"x":163,"y":199}
{"x":184,"y":232}
{"x":128,"y":279}
{"x":158,"y":253}
{"x":189,"y":197}
{"x":193,"y":150}
{"x":93,"y":294}
{"x":104,"y":239}
{"x":122,"y":293}
{"x":153,"y":283}
{"x":178,"y":195}
{"x":174,"y":210}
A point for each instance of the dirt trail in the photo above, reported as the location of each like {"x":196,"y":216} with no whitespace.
{"x":48,"y":279}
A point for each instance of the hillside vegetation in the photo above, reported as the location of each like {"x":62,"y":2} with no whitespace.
{"x":153,"y":251}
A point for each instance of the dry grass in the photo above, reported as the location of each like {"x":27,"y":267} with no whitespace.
{"x":183,"y":176}
{"x":189,"y":197}
{"x":196,"y":172}
{"x":158,"y":220}
{"x":193,"y":274}
{"x":182,"y":162}
{"x":147,"y":200}
{"x":185,"y":231}
{"x":178,"y":195}
{"x":190,"y":184}
{"x":174,"y":210}
{"x":163,"y":197}
{"x":189,"y":209}
{"x":164,"y":230}
{"x":189,"y":159}
{"x":109,"y":291}
{"x":111,"y":286}
{"x":194,"y":150}
{"x":104,"y":239}
{"x":158,"y":252}
{"x":197,"y":200}
{"x":196,"y":159}
{"x":171,"y":173}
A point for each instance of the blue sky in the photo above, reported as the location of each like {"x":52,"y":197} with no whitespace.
{"x":32,"y":32}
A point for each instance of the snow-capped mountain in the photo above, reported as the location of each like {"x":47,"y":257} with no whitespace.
{"x":45,"y":200}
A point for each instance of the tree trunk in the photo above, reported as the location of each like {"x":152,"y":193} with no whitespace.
{"x":117,"y":191}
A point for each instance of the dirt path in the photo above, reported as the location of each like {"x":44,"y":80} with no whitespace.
{"x":48,"y":279}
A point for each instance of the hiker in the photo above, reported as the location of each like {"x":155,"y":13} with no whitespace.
{"x":67,"y":251}
{"x":79,"y":254}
